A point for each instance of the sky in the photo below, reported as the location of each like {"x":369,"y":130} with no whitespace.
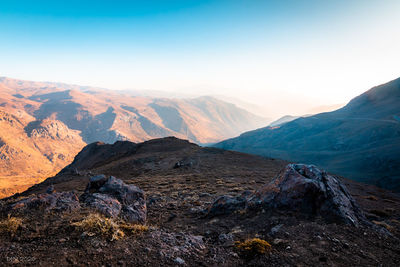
{"x":284,"y":56}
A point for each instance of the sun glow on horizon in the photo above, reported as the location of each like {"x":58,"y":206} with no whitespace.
{"x":284,"y":56}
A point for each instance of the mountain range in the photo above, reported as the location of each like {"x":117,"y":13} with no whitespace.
{"x":43,"y":125}
{"x":360,"y":141}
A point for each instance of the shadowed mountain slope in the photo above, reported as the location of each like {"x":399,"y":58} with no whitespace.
{"x":360,"y":141}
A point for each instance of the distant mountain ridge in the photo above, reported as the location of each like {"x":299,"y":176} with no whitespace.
{"x":283,"y":120}
{"x":360,"y":141}
{"x":53,"y":121}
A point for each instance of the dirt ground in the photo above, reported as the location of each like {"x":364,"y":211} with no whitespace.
{"x":178,"y":196}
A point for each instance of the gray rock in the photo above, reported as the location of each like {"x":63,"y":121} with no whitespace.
{"x":179,"y":261}
{"x":134,"y":213}
{"x":112,"y":197}
{"x":275,"y":229}
{"x":60,"y":202}
{"x":226,"y":204}
{"x":225,"y":237}
{"x":308,"y":190}
{"x":50,"y":189}
{"x":126,"y":194}
{"x":96,"y":182}
{"x":301,"y":189}
{"x":105,"y":204}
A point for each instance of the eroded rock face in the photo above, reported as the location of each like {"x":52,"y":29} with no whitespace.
{"x":302,"y":189}
{"x":112,"y":197}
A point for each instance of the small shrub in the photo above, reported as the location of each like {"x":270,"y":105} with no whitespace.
{"x":95,"y":224}
{"x":252,"y":247}
{"x":10,"y":225}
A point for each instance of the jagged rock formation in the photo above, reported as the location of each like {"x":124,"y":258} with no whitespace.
{"x":109,"y":196}
{"x":54,"y":201}
{"x":301,"y":189}
{"x":114,"y":198}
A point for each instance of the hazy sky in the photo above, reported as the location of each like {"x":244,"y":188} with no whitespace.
{"x":286,"y":56}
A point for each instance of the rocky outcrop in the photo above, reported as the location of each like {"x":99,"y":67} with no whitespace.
{"x":112,"y":197}
{"x":60,"y":202}
{"x":306,"y":189}
{"x":107,"y":195}
{"x":301,"y":189}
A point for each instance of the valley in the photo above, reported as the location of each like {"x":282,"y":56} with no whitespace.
{"x":44,"y":125}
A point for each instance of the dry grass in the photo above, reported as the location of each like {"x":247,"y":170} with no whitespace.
{"x":99,"y":225}
{"x":384,"y":224}
{"x":96,"y":224}
{"x":370,"y":197}
{"x":397,"y":222}
{"x":134,"y":228}
{"x":390,"y":210}
{"x":389,"y":200}
{"x":380,"y":213}
{"x":253,"y":246}
{"x":241,"y":212}
{"x":10,"y":225}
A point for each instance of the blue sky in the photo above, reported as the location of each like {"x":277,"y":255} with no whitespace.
{"x":265,"y":52}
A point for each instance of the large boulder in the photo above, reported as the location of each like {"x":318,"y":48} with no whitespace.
{"x":308,"y":190}
{"x":112,"y":197}
{"x":301,"y":189}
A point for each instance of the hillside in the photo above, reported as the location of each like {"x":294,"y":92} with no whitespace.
{"x":187,"y":189}
{"x":283,"y":120}
{"x":360,"y":141}
{"x":31,"y":150}
{"x":45,"y":124}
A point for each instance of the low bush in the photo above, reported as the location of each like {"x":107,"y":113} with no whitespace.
{"x":99,"y":225}
{"x":252,"y":247}
{"x":96,"y":224}
{"x":10,"y":225}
